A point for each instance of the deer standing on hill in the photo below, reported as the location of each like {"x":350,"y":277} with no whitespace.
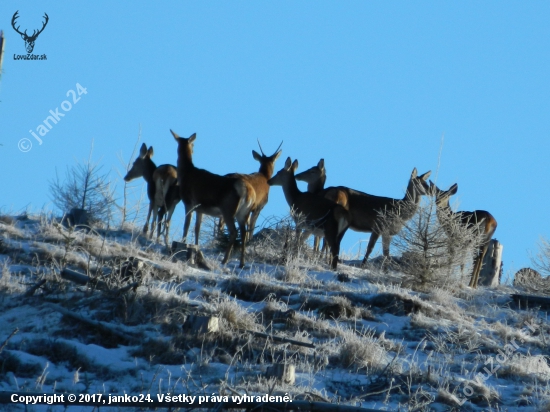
{"x":315,"y":177}
{"x":208,"y":193}
{"x":258,"y":181}
{"x":161,"y":184}
{"x":367,"y":212}
{"x":321,"y":216}
{"x":481,"y":221}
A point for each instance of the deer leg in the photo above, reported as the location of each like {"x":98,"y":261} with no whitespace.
{"x":230,"y":223}
{"x":198,"y":221}
{"x":316,"y":241}
{"x":372,"y":241}
{"x":478,"y":263}
{"x":333,"y":239}
{"x":243,"y":229}
{"x":219,"y":227}
{"x":167,"y":224}
{"x":161,"y":214}
{"x":188,"y":213}
{"x":148,"y":217}
{"x":386,"y":240}
{"x":252,"y":224}
{"x":154,"y":222}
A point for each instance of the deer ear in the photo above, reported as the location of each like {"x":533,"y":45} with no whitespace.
{"x":276,"y":155}
{"x":414,"y":173}
{"x":176,"y":137}
{"x":256,"y":155}
{"x":150,"y":152}
{"x":288,"y":163}
{"x":143,"y":150}
{"x":426,"y":175}
{"x":321,"y":164}
{"x":295,"y":165}
{"x":192,"y":138}
{"x":453,"y":189}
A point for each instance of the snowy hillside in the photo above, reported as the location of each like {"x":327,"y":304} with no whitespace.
{"x":355,"y":337}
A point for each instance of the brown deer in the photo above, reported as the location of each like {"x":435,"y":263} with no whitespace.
{"x":208,"y":193}
{"x":161,"y":182}
{"x":321,"y":216}
{"x":315,"y":177}
{"x":481,"y":221}
{"x":368,"y":212}
{"x":258,"y":181}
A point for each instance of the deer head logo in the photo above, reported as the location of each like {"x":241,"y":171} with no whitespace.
{"x":29,"y":40}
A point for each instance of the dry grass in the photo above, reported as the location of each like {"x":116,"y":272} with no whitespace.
{"x":360,"y":351}
{"x":526,"y":366}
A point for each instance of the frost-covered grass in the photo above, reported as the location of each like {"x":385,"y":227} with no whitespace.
{"x":378,"y":343}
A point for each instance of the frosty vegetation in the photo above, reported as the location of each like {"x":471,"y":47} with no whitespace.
{"x":404,"y":334}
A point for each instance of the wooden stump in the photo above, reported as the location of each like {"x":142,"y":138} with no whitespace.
{"x":283,"y":372}
{"x":184,"y":251}
{"x":201,"y":324}
{"x":490,"y":272}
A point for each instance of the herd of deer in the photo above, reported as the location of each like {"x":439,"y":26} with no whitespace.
{"x":323,"y":212}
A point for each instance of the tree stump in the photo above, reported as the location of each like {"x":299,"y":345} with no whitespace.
{"x":490,"y":272}
{"x":184,"y":251}
{"x":283,"y":372}
{"x":201,"y":324}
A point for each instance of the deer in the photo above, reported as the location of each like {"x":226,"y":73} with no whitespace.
{"x":315,"y":177}
{"x":480,"y":221}
{"x":367,"y":212}
{"x":258,"y":181}
{"x":208,"y":193}
{"x":161,"y":189}
{"x":29,"y":40}
{"x":321,"y":216}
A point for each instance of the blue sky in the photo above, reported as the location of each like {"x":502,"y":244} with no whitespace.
{"x":371,"y":87}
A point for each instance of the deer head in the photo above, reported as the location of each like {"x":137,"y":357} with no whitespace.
{"x":29,"y":40}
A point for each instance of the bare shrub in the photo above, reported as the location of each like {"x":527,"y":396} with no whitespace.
{"x":435,"y":248}
{"x":84,"y":188}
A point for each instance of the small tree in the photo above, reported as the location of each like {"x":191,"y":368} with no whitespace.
{"x":84,"y":187}
{"x":435,"y":247}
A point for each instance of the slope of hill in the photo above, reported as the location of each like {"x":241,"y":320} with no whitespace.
{"x":354,"y":337}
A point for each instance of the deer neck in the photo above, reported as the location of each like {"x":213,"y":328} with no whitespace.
{"x":149,"y":168}
{"x":290,"y":189}
{"x":317,"y":186}
{"x":267,"y":170}
{"x":443,"y":210}
{"x":185,"y":162}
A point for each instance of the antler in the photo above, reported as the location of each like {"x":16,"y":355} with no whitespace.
{"x":261,"y":150}
{"x":43,"y":27}
{"x":15,"y":16}
{"x":279,"y":146}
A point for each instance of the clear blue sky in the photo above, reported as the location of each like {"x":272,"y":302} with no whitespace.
{"x":371,"y":87}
